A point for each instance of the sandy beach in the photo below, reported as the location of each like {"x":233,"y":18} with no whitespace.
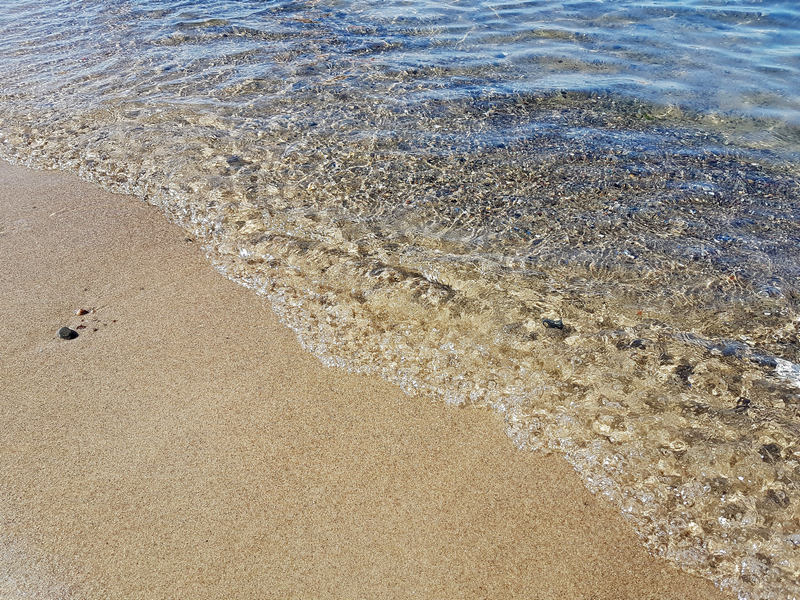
{"x":185,"y":446}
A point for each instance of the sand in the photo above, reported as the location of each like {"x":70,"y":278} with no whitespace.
{"x":185,"y":446}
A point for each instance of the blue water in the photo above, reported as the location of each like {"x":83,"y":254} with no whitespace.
{"x":741,"y":57}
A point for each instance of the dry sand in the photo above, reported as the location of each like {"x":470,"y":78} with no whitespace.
{"x":185,"y":446}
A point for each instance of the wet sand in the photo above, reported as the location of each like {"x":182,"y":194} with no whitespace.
{"x":185,"y":446}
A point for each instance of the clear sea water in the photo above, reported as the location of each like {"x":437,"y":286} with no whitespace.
{"x":584,"y":215}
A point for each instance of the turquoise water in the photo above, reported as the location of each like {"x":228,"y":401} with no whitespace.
{"x":583,"y":215}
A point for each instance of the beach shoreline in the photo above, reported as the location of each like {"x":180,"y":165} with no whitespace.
{"x":184,"y":445}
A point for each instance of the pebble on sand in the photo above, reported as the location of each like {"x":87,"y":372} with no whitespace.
{"x":65,"y":333}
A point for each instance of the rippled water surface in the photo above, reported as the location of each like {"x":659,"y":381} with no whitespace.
{"x":582,"y":214}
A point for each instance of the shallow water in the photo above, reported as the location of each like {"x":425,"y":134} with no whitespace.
{"x":584,"y":215}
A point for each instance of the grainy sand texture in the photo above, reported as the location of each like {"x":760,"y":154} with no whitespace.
{"x":185,"y":446}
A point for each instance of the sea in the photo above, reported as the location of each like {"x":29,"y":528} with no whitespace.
{"x":584,"y":215}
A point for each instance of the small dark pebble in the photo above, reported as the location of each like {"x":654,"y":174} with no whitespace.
{"x":553,"y":324}
{"x":779,"y":497}
{"x":81,"y":327}
{"x":82,"y":311}
{"x":683,"y":372}
{"x":770,"y":453}
{"x":742,"y":404}
{"x":65,"y":333}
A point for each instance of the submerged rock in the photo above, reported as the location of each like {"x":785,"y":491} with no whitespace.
{"x":770,"y":453}
{"x":553,"y":323}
